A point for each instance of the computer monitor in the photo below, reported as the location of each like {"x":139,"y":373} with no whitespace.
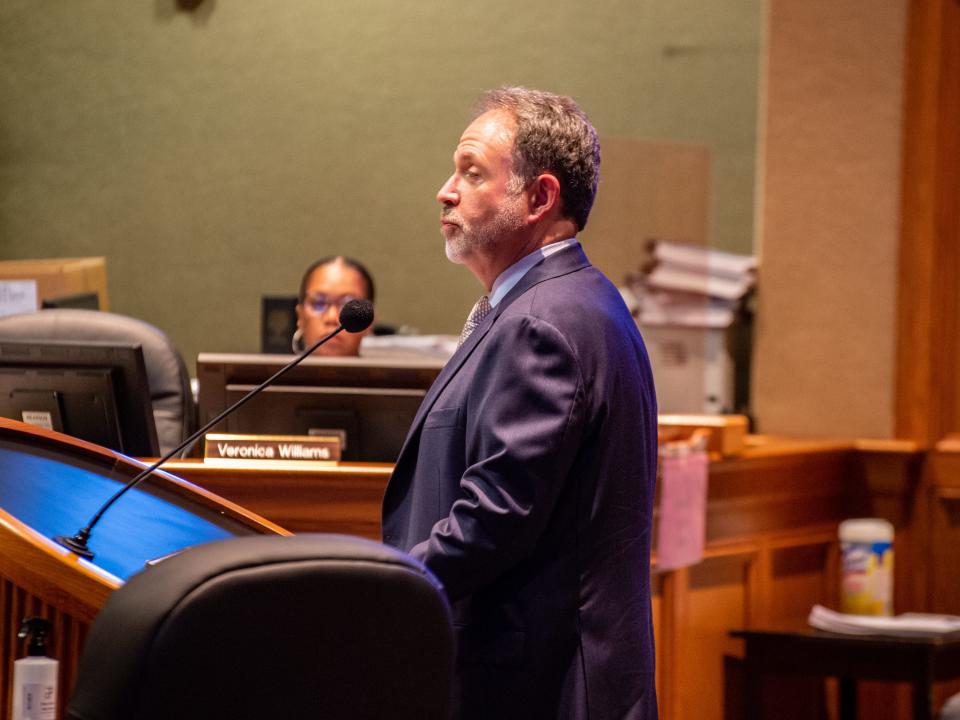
{"x":95,"y":391}
{"x":369,"y":402}
{"x":77,"y":301}
{"x":278,"y":321}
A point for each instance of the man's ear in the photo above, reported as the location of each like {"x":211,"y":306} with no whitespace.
{"x":543,"y":195}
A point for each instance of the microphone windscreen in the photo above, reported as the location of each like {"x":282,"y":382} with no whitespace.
{"x":356,"y":315}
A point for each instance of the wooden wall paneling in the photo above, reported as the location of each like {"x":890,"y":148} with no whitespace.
{"x":912,"y":560}
{"x":780,"y":493}
{"x":945,"y":552}
{"x":932,"y":567}
{"x":891,"y":477}
{"x":917,"y":261}
{"x":341,"y":499}
{"x":943,"y":492}
{"x":757,"y":611}
{"x":947,"y":378}
{"x":717,"y":601}
{"x":656,"y":602}
{"x":831,"y":579}
{"x":766,"y":491}
{"x":673,"y":615}
{"x":799,"y":575}
{"x":66,"y":641}
{"x":38,"y":579}
{"x":927,"y":400}
{"x":771,"y":552}
{"x":790,"y":572}
{"x":690,"y":666}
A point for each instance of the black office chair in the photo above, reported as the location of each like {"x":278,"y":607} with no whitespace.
{"x":173,"y":406}
{"x":307,"y":626}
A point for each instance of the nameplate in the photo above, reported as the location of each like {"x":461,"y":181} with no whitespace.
{"x":275,"y":450}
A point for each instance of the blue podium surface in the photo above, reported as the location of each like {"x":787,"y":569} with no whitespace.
{"x":55,"y":488}
{"x":57,"y":497}
{"x":51,"y":485}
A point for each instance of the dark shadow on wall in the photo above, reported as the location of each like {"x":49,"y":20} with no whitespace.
{"x":198,"y":10}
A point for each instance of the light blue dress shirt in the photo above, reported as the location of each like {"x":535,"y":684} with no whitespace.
{"x":512,"y":275}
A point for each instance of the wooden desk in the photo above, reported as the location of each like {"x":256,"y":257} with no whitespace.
{"x":336,"y":498}
{"x":771,"y":552}
{"x":772,"y":515}
{"x":807,"y":651}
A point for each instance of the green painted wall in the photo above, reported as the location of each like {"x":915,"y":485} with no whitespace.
{"x":210,"y":156}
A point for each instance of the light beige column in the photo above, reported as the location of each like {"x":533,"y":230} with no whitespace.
{"x":828,"y":217}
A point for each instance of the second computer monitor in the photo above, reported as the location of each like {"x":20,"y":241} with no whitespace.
{"x":96,"y":391}
{"x":370,"y":403}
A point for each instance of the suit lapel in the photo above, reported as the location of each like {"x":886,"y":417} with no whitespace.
{"x":563,"y":262}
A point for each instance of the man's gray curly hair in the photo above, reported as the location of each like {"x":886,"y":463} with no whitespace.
{"x":554,"y":136}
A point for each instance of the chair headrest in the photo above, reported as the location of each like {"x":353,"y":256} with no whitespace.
{"x":308,"y":625}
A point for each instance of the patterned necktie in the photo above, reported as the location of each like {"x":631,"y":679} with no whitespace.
{"x":479,"y":312}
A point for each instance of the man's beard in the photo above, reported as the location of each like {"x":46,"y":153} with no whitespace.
{"x":469,"y":240}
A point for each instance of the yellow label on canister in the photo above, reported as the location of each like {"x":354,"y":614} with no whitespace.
{"x":867,"y":582}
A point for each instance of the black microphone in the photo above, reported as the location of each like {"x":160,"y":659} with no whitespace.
{"x":355,"y":317}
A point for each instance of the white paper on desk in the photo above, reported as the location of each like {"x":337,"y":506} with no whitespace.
{"x":430,"y":346}
{"x":703,"y":316}
{"x":905,"y":625}
{"x":17,"y":296}
{"x":678,"y":308}
{"x":703,"y":259}
{"x":674,"y":277}
{"x":683,"y":509}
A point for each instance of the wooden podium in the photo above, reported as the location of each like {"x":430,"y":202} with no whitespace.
{"x":50,"y":485}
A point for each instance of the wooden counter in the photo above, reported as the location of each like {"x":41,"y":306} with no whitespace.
{"x":336,"y":498}
{"x":772,"y":552}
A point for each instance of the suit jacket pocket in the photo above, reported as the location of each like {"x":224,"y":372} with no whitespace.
{"x":442,"y":417}
{"x":490,"y":647}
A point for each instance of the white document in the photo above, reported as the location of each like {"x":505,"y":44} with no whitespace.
{"x":18,"y":296}
{"x":677,"y":277}
{"x":905,"y":625}
{"x":704,"y":260}
{"x":392,"y":346}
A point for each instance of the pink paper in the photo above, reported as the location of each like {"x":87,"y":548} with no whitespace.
{"x":683,"y":508}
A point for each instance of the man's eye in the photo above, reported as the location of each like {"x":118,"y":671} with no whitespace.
{"x":471,"y":174}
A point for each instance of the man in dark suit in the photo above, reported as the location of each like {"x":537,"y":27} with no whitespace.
{"x":526,"y":481}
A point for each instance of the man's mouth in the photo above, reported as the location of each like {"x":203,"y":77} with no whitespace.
{"x":448,"y":226}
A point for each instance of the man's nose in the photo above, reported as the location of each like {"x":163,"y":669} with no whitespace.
{"x":448,"y":193}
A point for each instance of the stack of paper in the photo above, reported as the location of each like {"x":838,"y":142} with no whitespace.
{"x":692,"y":286}
{"x":659,"y":307}
{"x":440,"y":347}
{"x":905,"y":625}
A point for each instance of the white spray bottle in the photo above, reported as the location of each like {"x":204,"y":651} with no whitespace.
{"x":35,"y":676}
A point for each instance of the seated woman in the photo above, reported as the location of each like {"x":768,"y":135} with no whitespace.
{"x":327,"y":286}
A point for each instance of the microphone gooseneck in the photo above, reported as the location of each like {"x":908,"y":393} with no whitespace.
{"x":356,"y":316}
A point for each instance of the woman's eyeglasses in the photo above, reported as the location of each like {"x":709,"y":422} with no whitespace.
{"x":318,"y":304}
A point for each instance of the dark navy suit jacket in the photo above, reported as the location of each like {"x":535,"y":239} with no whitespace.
{"x":526,"y":485}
